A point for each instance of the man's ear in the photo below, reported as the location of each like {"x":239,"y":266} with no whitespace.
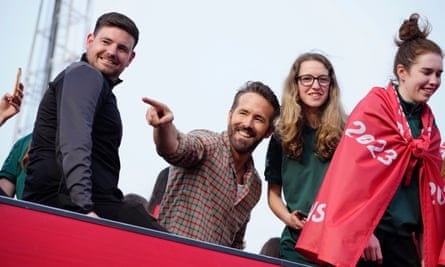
{"x":229,"y":116}
{"x":90,"y":39}
{"x":133,"y":54}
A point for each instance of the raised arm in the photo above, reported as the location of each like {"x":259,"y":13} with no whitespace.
{"x":165,"y":133}
{"x":10,"y":104}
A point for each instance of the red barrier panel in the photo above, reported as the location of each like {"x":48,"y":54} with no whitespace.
{"x":35,"y":235}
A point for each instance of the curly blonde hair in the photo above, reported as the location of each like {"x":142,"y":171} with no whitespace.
{"x":331,"y":115}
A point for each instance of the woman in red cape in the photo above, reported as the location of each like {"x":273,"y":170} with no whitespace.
{"x":384,"y":184}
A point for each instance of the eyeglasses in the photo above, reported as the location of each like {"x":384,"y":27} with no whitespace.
{"x":308,"y":80}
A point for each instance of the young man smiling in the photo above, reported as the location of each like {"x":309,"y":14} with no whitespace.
{"x":74,"y":161}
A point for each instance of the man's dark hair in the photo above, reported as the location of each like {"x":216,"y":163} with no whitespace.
{"x":158,"y":190}
{"x":120,"y":21}
{"x":135,"y":198}
{"x":264,"y":91}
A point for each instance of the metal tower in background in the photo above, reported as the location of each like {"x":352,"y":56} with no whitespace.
{"x":59,"y":38}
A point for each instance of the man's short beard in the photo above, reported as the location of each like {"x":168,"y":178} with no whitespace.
{"x":244,"y":148}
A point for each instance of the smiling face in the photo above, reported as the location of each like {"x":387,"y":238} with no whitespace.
{"x":422,"y":80}
{"x":249,"y":122}
{"x":110,"y":51}
{"x":315,"y":95}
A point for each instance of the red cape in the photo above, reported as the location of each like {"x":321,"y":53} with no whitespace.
{"x":442,"y":150}
{"x":375,"y":153}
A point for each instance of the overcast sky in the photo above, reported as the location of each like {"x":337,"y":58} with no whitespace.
{"x":194,"y":55}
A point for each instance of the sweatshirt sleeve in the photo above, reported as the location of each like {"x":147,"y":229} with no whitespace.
{"x":79,"y":98}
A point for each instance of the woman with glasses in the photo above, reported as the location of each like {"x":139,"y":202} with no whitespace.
{"x":308,"y":131}
{"x":383,"y":185}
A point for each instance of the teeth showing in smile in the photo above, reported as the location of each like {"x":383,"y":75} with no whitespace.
{"x":315,"y":95}
{"x":244,"y":134}
{"x":428,"y":92}
{"x":107,"y":61}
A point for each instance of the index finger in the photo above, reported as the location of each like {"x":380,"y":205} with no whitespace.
{"x":152,"y":102}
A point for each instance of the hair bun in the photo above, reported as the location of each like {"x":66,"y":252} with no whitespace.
{"x":410,"y":30}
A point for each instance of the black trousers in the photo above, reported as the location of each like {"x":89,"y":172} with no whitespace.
{"x":122,"y":211}
{"x":396,"y":251}
{"x":128,"y":212}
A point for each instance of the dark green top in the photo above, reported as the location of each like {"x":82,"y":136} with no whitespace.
{"x":300,"y":181}
{"x":403,"y":215}
{"x":12,"y":167}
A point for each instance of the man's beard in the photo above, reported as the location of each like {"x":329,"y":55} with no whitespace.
{"x":243,"y":146}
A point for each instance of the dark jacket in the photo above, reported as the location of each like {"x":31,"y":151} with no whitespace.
{"x":74,"y":161}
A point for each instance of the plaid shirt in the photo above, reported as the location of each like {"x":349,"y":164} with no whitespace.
{"x":201,"y":200}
